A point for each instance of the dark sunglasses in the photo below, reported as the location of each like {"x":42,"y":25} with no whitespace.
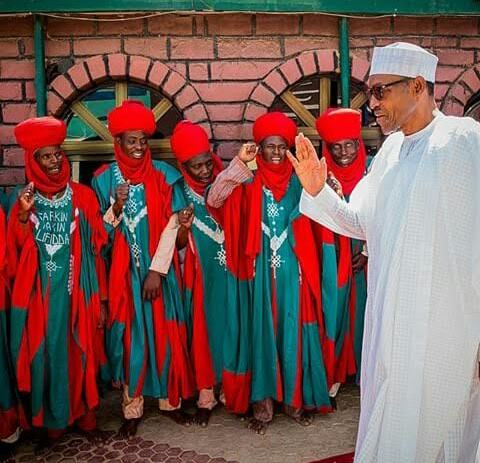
{"x":378,"y":91}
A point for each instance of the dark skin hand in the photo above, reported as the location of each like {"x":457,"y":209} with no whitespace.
{"x":121,"y":197}
{"x":185,"y":220}
{"x":25,"y":202}
{"x":152,"y":285}
{"x":358,"y":262}
{"x":334,"y":184}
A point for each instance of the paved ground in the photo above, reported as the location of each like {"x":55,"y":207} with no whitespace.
{"x":225,"y":440}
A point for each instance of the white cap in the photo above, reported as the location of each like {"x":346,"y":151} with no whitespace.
{"x":404,"y":59}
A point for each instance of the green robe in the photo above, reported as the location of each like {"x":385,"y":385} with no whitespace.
{"x":132,"y":349}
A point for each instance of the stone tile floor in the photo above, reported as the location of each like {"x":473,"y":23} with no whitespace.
{"x":226,"y":439}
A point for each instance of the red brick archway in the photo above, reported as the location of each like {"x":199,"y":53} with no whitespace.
{"x":288,"y":73}
{"x":87,"y":74}
{"x":460,"y":91}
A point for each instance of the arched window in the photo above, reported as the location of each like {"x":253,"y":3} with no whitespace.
{"x":311,"y":96}
{"x":472,"y":108}
{"x":89,"y":143}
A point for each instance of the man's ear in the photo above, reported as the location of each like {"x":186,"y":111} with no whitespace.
{"x":419,"y":85}
{"x":118,"y":139}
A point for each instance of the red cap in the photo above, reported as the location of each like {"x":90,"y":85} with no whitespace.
{"x":339,"y":124}
{"x":275,"y":124}
{"x":39,"y":132}
{"x":188,"y":140}
{"x":131,"y":115}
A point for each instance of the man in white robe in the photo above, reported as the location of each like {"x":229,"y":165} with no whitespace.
{"x":419,"y":211}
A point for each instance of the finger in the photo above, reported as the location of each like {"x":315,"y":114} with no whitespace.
{"x":128,"y":182}
{"x":243,"y":150}
{"x":323,"y":168}
{"x":146,"y":294}
{"x":305,"y":149}
{"x":299,"y":147}
{"x":312,"y":153}
{"x":292,"y":159}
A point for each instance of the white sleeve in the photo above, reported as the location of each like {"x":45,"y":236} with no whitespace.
{"x":166,"y":247}
{"x":328,"y":209}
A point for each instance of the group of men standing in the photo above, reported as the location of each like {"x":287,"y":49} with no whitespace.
{"x":214,"y":282}
{"x":173,"y":282}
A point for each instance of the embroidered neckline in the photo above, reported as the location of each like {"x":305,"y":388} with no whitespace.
{"x":276,"y":242}
{"x":215,"y":235}
{"x":193,"y":195}
{"x":62,"y":201}
{"x":119,"y":178}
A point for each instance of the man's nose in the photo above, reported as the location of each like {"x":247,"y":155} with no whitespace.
{"x":373,"y":103}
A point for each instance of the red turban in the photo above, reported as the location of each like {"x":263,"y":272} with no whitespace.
{"x":39,"y":132}
{"x":339,"y":124}
{"x":275,"y":123}
{"x":342,"y":124}
{"x":131,"y":115}
{"x":188,"y":140}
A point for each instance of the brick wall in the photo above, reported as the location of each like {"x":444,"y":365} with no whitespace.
{"x":221,"y":70}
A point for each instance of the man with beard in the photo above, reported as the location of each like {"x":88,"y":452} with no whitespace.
{"x":272,"y":247}
{"x":146,"y":330}
{"x":345,"y":155}
{"x":418,"y":210}
{"x":55,"y":237}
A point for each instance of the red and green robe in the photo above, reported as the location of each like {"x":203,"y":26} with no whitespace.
{"x":8,"y":398}
{"x":212,"y":298}
{"x":351,"y":294}
{"x":351,"y":301}
{"x":206,"y":281}
{"x":272,"y":248}
{"x":146,"y":341}
{"x":56,"y":269}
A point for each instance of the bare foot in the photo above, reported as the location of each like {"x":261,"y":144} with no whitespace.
{"x":333,"y":401}
{"x":257,"y":426}
{"x":128,"y":428}
{"x":179,"y":416}
{"x":95,"y":436}
{"x":305,"y":419}
{"x":202,"y":417}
